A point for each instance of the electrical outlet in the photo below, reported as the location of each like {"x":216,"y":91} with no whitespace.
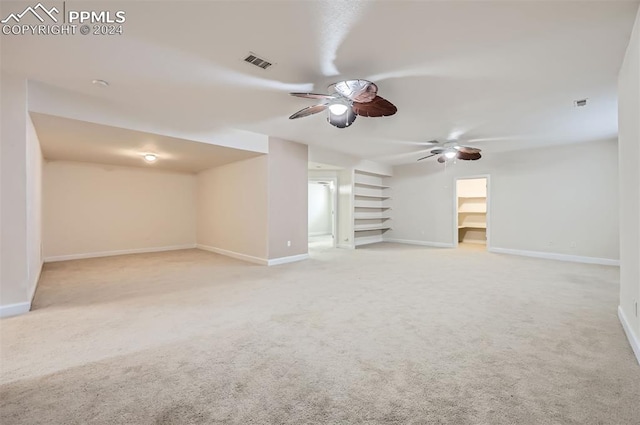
{"x":288,"y":243}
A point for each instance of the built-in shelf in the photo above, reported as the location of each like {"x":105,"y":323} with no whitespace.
{"x":472,"y":210}
{"x":476,"y":209}
{"x":359,"y":195}
{"x":371,"y":207}
{"x":375,"y":186}
{"x":473,"y":226}
{"x":374,"y":207}
{"x":358,"y":217}
{"x":370,"y":228}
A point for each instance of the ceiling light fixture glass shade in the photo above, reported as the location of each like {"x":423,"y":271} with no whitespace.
{"x":338,"y":108}
{"x":450,"y":154}
{"x":150,"y":157}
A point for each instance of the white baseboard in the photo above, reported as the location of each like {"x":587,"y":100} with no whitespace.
{"x":320,"y":234}
{"x":14,"y":309}
{"x":233,"y":254}
{"x":633,"y":339}
{"x":422,"y":243}
{"x":285,"y":260}
{"x":344,"y":245}
{"x":554,"y":256}
{"x":120,"y":252}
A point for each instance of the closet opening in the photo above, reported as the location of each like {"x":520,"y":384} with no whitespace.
{"x":472,"y":222}
{"x":322,"y":212}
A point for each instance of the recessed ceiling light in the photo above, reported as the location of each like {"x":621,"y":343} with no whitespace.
{"x":150,"y":157}
{"x":100,"y":83}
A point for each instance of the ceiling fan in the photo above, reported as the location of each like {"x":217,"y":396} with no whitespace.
{"x":452,"y":149}
{"x":347,"y":100}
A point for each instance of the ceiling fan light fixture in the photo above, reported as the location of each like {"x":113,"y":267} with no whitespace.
{"x":338,"y":108}
{"x":450,"y":154}
{"x":150,"y":157}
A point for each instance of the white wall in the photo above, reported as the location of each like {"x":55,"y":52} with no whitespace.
{"x":541,"y":201}
{"x":232,"y":209}
{"x":345,"y":213}
{"x":92,"y":210}
{"x":14,"y":282}
{"x":319,"y":209}
{"x":629,"y":162}
{"x":339,"y":159}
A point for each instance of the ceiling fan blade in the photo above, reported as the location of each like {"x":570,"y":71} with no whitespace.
{"x":441,"y":159}
{"x":378,"y":107}
{"x":468,"y":156}
{"x":437,"y":150}
{"x":314,"y":96}
{"x":309,"y":111}
{"x":468,"y":149}
{"x":362,"y":91}
{"x":342,"y":120}
{"x":432,"y":142}
{"x":428,"y":156}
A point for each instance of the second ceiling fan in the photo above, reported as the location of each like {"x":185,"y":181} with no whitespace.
{"x":452,"y":150}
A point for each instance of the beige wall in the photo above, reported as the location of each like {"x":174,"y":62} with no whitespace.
{"x":472,"y":187}
{"x":288,"y":198}
{"x":232,"y":207}
{"x":564,"y":201}
{"x":92,"y":209}
{"x":35,"y":165}
{"x":14,"y":286}
{"x":629,"y":162}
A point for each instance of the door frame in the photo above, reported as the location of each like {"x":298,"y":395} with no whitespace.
{"x":455,"y":206}
{"x":334,"y":204}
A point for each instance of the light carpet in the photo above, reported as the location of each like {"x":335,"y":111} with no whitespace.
{"x":388,"y":334}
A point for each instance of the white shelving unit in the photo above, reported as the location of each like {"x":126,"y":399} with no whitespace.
{"x":371,"y":207}
{"x":472,"y":219}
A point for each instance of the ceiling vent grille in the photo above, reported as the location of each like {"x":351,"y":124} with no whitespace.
{"x":253,"y":59}
{"x":580,"y":103}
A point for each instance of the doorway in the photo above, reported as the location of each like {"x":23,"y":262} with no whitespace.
{"x":322,"y":212}
{"x":472,"y":222}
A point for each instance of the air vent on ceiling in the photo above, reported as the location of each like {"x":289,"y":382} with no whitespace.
{"x":580,"y":103}
{"x":253,"y":59}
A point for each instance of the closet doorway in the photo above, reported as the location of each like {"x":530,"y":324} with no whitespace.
{"x":472,"y":213}
{"x":322,"y":213}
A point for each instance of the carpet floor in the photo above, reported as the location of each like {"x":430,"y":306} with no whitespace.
{"x":387,"y":334}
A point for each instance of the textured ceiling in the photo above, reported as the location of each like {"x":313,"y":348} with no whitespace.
{"x":502,"y":75}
